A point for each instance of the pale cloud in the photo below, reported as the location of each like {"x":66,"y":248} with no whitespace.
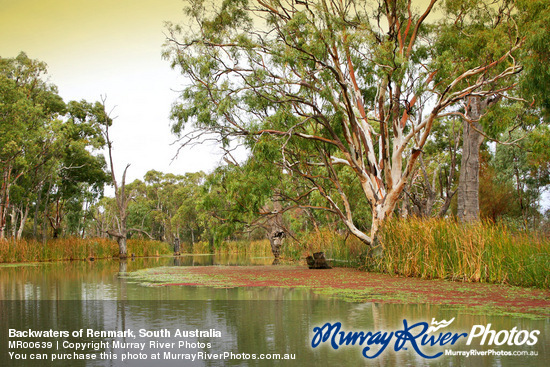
{"x":112,"y":48}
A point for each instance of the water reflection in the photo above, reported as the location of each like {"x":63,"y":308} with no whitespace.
{"x":93,"y":295}
{"x":99,"y":280}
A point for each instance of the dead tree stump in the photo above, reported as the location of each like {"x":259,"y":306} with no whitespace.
{"x":177,"y":246}
{"x":318,"y":261}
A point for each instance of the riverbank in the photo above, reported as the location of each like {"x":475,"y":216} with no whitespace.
{"x":76,"y":249}
{"x":427,"y":249}
{"x":440,"y":249}
{"x":359,"y":286}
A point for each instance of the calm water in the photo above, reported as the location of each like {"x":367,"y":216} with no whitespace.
{"x":69,"y":296}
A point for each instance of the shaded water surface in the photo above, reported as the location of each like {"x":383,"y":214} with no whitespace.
{"x":69,"y":296}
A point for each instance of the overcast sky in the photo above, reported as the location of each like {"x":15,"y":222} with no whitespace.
{"x":112,"y":48}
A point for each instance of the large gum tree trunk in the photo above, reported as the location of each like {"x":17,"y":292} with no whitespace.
{"x":123,"y":249}
{"x":468,"y":185}
{"x":276,"y":229}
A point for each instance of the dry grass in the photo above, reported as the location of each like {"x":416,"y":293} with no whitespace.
{"x":75,"y":249}
{"x":477,"y":252}
{"x":335,"y":246}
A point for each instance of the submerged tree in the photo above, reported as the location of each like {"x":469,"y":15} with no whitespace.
{"x":349,"y":87}
{"x":96,"y":115}
{"x":122,"y":197}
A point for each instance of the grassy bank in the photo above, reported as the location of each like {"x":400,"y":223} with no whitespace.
{"x":430,"y":249}
{"x":441,"y":249}
{"x":76,"y":249}
{"x":345,"y":250}
{"x":481,"y":252}
{"x":253,"y":248}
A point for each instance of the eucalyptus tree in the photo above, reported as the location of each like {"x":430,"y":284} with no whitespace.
{"x":166,"y":193}
{"x":524,"y":169}
{"x":81,"y":172}
{"x":161,"y":189}
{"x":351,"y":86}
{"x":534,"y":21}
{"x":242,"y":199}
{"x":221,"y":212}
{"x":139,"y":209}
{"x":477,"y":36}
{"x":163,"y":206}
{"x":47,"y":149}
{"x":185,"y":220}
{"x":28,"y":107}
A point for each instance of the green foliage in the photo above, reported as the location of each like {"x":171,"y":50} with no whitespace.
{"x":48,"y":151}
{"x":231,"y":198}
{"x":516,"y":175}
{"x":28,"y":107}
{"x":535,"y":21}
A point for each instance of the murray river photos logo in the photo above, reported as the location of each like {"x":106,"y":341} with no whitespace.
{"x":418,"y":336}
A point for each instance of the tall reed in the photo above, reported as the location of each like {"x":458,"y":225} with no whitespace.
{"x":480,"y":252}
{"x":75,"y":249}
